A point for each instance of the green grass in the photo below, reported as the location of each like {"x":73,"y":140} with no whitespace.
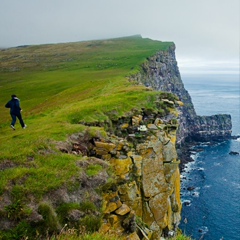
{"x":61,"y":87}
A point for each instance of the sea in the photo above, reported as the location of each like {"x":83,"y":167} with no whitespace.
{"x":211,"y":183}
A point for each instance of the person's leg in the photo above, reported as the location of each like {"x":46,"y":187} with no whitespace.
{"x":21,"y":120}
{"x":14,"y":119}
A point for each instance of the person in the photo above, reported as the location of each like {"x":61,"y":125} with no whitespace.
{"x":15,"y":111}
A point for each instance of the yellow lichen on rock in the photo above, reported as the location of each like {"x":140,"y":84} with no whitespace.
{"x":148,"y":179}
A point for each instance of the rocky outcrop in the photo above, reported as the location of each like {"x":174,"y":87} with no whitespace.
{"x":161,"y":73}
{"x":143,"y":196}
{"x":213,"y":128}
{"x":145,"y":199}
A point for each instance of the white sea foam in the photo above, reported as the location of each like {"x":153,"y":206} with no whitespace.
{"x":189,"y":166}
{"x":195,"y":194}
{"x":203,"y":229}
{"x":186,"y":202}
{"x":236,"y":185}
{"x":224,"y":179}
{"x":206,"y":186}
{"x":229,"y":96}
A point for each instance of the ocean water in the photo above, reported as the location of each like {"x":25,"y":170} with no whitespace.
{"x":211,"y":183}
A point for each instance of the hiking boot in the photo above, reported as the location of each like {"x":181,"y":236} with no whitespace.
{"x":12,"y":127}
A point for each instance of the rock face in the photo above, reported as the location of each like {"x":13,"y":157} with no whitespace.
{"x":161,"y":73}
{"x":145,"y":198}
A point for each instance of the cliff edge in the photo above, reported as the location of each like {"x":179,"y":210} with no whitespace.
{"x":161,"y":73}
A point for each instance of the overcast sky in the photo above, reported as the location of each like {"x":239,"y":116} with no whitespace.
{"x":206,"y":32}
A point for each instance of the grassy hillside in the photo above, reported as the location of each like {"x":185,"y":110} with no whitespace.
{"x":60,"y":86}
{"x":64,"y":89}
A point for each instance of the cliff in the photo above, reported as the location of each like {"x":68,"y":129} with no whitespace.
{"x":143,"y":196}
{"x":161,"y":73}
{"x":103,"y":158}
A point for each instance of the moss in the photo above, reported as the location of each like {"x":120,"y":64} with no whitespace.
{"x":93,"y":170}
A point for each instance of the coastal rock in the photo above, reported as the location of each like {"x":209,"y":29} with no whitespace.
{"x":161,"y":73}
{"x":233,"y":153}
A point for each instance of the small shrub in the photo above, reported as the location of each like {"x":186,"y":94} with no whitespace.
{"x":16,"y":211}
{"x":50,"y":223}
{"x":64,"y":209}
{"x":72,"y":234}
{"x":87,"y":206}
{"x":22,"y":231}
{"x":90,"y":223}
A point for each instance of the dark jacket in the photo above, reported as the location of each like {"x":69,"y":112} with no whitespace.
{"x":14,"y":106}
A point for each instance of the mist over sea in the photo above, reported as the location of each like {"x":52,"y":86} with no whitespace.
{"x":211,"y":184}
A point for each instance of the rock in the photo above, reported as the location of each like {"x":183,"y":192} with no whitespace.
{"x":123,"y":210}
{"x":129,"y":223}
{"x":190,"y":188}
{"x":75,"y":215}
{"x":107,"y":147}
{"x":133,"y":236}
{"x":111,"y":207}
{"x":121,"y":166}
{"x":113,"y":219}
{"x":105,"y":227}
{"x":124,"y":126}
{"x":152,"y":127}
{"x":180,"y":103}
{"x":35,"y":217}
{"x":161,"y":73}
{"x":168,"y":101}
{"x":136,"y":120}
{"x":233,"y":153}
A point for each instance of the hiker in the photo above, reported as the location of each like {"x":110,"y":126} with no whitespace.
{"x":15,"y":111}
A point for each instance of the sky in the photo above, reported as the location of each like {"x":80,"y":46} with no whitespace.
{"x":206,"y":32}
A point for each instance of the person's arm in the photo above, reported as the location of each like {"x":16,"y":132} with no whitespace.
{"x":8,"y":105}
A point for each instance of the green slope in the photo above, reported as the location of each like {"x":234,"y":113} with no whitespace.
{"x":60,"y":87}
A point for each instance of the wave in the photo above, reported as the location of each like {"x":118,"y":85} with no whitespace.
{"x":189,"y":166}
{"x":195,"y":194}
{"x":236,"y":185}
{"x":203,"y":229}
{"x":229,"y":97}
{"x":186,"y":202}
